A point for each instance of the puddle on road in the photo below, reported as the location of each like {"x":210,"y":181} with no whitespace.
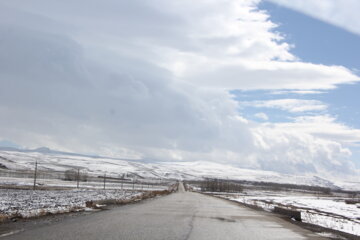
{"x":224,"y":219}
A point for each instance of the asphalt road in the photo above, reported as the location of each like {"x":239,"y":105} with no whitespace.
{"x":182,"y":215}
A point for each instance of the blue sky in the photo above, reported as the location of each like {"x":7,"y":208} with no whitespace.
{"x":318,"y":42}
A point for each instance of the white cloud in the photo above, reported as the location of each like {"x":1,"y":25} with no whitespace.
{"x":290,"y":105}
{"x":294,"y":151}
{"x":249,"y":75}
{"x":309,"y":143}
{"x":342,"y":13}
{"x":301,"y":92}
{"x":324,"y":126}
{"x":262,"y":116}
{"x":221,"y":44}
{"x":146,"y":79}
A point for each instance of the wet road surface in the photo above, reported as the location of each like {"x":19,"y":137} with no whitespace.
{"x":182,"y":215}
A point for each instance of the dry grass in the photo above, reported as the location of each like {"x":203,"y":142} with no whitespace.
{"x":133,"y":199}
{"x":3,"y":218}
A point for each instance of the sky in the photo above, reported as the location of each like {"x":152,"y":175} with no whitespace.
{"x":256,"y":84}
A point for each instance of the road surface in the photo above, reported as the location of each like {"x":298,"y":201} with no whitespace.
{"x":182,"y":215}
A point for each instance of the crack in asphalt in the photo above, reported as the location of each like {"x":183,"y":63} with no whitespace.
{"x":191,"y":226}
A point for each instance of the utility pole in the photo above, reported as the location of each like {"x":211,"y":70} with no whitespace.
{"x":35,"y":175}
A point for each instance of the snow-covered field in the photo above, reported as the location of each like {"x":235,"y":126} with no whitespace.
{"x":28,"y":203}
{"x":326,"y":211}
{"x":158,"y":170}
{"x":53,"y":194}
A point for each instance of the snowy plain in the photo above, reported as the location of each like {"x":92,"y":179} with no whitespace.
{"x":29,"y":203}
{"x":327,"y":211}
{"x":160,"y":170}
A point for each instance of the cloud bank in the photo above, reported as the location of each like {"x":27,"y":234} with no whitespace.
{"x":151,"y":79}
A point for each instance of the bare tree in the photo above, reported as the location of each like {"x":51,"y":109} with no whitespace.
{"x":71,"y":175}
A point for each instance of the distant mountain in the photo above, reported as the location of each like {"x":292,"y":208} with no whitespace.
{"x":10,"y":149}
{"x":9,"y":144}
{"x":43,"y":150}
{"x":46,"y":150}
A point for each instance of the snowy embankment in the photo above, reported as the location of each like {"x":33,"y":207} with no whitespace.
{"x":325,"y":211}
{"x":28,"y":203}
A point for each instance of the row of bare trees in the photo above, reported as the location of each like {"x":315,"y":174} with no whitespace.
{"x":75,"y":175}
{"x":219,"y":185}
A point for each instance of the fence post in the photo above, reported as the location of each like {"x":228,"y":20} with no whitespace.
{"x":78,"y":178}
{"x":35,"y":175}
{"x":104,"y":180}
{"x":133,"y":184}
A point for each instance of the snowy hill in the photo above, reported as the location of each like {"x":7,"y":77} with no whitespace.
{"x":59,"y":161}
